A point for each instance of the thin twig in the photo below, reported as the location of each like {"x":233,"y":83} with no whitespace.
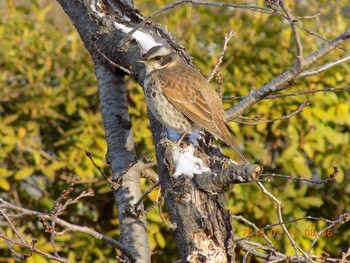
{"x":329,"y":179}
{"x":219,"y":81}
{"x":300,"y":109}
{"x":22,"y":242}
{"x":298,"y":45}
{"x":344,"y":256}
{"x":64,"y":195}
{"x":70,"y":227}
{"x":343,"y":218}
{"x":193,"y":2}
{"x":291,"y":94}
{"x":256,"y":118}
{"x":275,"y":256}
{"x":12,"y":226}
{"x":280,"y":218}
{"x":144,"y":195}
{"x":221,"y":56}
{"x":52,"y":238}
{"x":32,"y":248}
{"x":60,"y":205}
{"x":287,"y":78}
{"x":241,"y":218}
{"x":325,"y":40}
{"x":125,"y":70}
{"x":88,"y":154}
{"x":297,"y":18}
{"x":324,"y":67}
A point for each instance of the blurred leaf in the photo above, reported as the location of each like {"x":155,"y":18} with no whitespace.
{"x":307,"y":202}
{"x":36,"y":157}
{"x":160,"y":240}
{"x":4,"y":184}
{"x":24,"y":173}
{"x":302,"y":170}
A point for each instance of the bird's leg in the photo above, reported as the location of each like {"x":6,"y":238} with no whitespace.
{"x":182,"y":137}
{"x":169,"y":141}
{"x":164,"y":141}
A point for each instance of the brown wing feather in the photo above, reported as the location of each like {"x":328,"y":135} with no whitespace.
{"x":203,"y":107}
{"x":186,"y":97}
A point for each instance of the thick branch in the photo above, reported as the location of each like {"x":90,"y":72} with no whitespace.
{"x":236,"y":174}
{"x":121,"y":154}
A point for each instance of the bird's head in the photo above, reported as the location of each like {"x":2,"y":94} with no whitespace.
{"x":157,"y":58}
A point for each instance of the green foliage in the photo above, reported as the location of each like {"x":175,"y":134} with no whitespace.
{"x":49,"y":116}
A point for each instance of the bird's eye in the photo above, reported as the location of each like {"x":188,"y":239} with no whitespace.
{"x":157,"y":57}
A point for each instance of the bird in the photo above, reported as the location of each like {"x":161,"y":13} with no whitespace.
{"x":180,"y":98}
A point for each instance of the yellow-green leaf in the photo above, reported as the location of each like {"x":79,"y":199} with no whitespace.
{"x":4,"y":184}
{"x":24,"y":173}
{"x":160,"y":240}
{"x":4,"y":173}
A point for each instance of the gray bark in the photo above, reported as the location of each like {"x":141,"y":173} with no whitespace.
{"x":121,"y":155}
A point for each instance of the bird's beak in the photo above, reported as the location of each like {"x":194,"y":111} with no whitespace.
{"x":141,"y":61}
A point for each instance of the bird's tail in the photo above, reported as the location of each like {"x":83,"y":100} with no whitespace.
{"x":227,"y":138}
{"x":233,"y":145}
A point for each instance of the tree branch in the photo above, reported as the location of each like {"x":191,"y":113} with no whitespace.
{"x":300,"y":109}
{"x":329,"y":179}
{"x":280,"y":218}
{"x":98,"y":31}
{"x":216,"y":68}
{"x":275,"y":256}
{"x":121,"y":155}
{"x":298,"y":45}
{"x":193,"y":2}
{"x":235,"y":174}
{"x":287,"y":78}
{"x":292,"y":94}
{"x":324,"y":67}
{"x":70,"y":227}
{"x":31,"y":247}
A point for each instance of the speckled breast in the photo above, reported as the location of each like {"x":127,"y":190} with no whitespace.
{"x":161,"y":108}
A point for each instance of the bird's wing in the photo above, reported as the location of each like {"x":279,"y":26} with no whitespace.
{"x":190,"y":93}
{"x":182,"y":91}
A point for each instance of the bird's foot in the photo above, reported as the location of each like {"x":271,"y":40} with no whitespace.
{"x":165,"y":142}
